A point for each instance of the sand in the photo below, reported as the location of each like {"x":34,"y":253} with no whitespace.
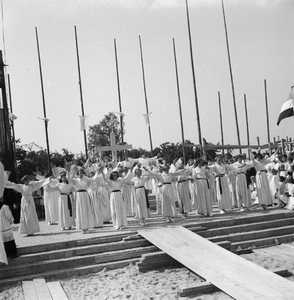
{"x":129,"y":283}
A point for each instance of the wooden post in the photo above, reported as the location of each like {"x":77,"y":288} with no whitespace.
{"x":247,"y":124}
{"x":179,"y":98}
{"x":119,"y":97}
{"x":291,"y":145}
{"x":12,"y":128}
{"x":267,"y":114}
{"x":145,"y":94}
{"x":194,"y":77}
{"x":43,"y":99}
{"x":221,"y":121}
{"x":258,"y":143}
{"x":283,"y":146}
{"x":231,"y":74}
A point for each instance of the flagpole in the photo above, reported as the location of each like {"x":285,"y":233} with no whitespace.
{"x":267,"y":115}
{"x":179,"y":98}
{"x":221,"y":120}
{"x":43,"y":98}
{"x":247,"y":124}
{"x":194,"y":78}
{"x":231,"y":74}
{"x":119,"y":97}
{"x":81,"y":92}
{"x":145,"y":93}
{"x":12,"y":126}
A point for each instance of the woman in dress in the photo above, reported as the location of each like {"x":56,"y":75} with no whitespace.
{"x":262,"y":183}
{"x":202,"y":190}
{"x":141,"y":196}
{"x":29,"y":223}
{"x":84,"y":209}
{"x":168,"y":196}
{"x":96,"y":200}
{"x":65,"y":204}
{"x":117,"y":206}
{"x":222,"y":186}
{"x":183,"y":190}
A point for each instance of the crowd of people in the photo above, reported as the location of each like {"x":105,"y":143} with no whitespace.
{"x":98,"y":192}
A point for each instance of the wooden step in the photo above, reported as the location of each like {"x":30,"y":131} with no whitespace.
{"x":74,"y":262}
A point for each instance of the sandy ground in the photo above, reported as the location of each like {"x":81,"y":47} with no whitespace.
{"x":129,"y":283}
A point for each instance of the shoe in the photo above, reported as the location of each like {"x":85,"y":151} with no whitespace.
{"x":222,"y":211}
{"x":63,"y":228}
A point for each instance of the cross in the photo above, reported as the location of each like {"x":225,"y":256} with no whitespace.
{"x":114,"y":147}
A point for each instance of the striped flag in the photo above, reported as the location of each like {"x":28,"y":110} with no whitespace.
{"x":287,"y":109}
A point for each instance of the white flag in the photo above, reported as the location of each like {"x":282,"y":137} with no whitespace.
{"x":83,"y":121}
{"x":147,"y":119}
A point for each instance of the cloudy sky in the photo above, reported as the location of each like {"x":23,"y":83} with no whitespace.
{"x":261,"y":46}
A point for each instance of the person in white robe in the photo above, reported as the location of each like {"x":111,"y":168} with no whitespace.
{"x":117,"y":206}
{"x":222,"y":186}
{"x":240,"y":167}
{"x":202,"y":190}
{"x":169,"y":209}
{"x":65,"y":204}
{"x":29,"y":223}
{"x":84,"y":207}
{"x":51,"y":200}
{"x":141,"y":195}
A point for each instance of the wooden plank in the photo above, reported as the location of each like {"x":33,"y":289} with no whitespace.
{"x":208,"y":288}
{"x":56,"y":291}
{"x":42,"y":289}
{"x":234,"y":275}
{"x":29,"y":290}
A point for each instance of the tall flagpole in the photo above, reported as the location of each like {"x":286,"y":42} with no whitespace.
{"x":231,"y":74}
{"x":81,"y":92}
{"x":194,"y":77}
{"x":12,"y":126}
{"x":179,"y":97}
{"x":221,"y":121}
{"x":43,"y":98}
{"x":247,"y":123}
{"x":119,"y":97}
{"x":267,"y":115}
{"x":145,"y":93}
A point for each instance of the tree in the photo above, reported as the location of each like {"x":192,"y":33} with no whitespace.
{"x":99,"y":134}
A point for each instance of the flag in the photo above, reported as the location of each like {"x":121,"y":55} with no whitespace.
{"x":147,"y":119}
{"x":287,"y":108}
{"x":83,"y":120}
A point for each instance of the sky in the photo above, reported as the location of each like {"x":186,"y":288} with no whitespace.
{"x":261,"y":43}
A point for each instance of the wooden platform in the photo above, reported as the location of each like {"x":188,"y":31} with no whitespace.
{"x":38,"y":289}
{"x":234,"y":275}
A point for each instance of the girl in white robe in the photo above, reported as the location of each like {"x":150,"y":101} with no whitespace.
{"x":242,"y":186}
{"x":117,"y":206}
{"x":51,"y":200}
{"x":84,"y":207}
{"x":183,"y":190}
{"x":96,"y":201}
{"x":262,"y":183}
{"x":202,"y":190}
{"x":222,"y":186}
{"x":168,"y":196}
{"x":141,"y":199}
{"x":29,"y":223}
{"x":66,"y":204}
